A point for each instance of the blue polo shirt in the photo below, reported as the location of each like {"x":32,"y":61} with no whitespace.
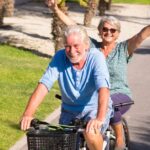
{"x":79,"y":88}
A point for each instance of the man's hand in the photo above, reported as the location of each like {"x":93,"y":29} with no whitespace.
{"x":25,"y":122}
{"x":94,"y":126}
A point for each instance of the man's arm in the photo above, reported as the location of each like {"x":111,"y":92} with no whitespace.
{"x":103,"y":99}
{"x":34,"y":101}
{"x":102,"y":103}
{"x":135,"y":41}
{"x":52,"y":4}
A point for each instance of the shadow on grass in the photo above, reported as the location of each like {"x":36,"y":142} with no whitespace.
{"x":12,"y":124}
{"x":33,"y":51}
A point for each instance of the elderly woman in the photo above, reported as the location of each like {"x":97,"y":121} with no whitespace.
{"x":117,"y":57}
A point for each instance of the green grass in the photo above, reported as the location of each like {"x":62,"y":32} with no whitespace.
{"x":20,"y":72}
{"x":146,"y":2}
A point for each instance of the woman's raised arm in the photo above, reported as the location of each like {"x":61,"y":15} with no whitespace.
{"x":52,"y":4}
{"x":135,"y":41}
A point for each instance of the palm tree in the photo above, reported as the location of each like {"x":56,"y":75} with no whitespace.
{"x":58,"y":27}
{"x":6,"y":9}
{"x":1,"y":12}
{"x":103,"y":6}
{"x":90,"y":12}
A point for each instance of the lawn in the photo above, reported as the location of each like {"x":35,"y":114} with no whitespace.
{"x":84,"y":2}
{"x":20,"y":72}
{"x":132,"y":1}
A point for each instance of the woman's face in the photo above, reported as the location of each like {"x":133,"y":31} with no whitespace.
{"x":109,"y":33}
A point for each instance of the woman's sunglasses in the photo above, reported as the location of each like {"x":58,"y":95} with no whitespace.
{"x":107,"y":29}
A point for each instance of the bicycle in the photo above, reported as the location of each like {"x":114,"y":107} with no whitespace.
{"x":109,"y":137}
{"x":45,"y":136}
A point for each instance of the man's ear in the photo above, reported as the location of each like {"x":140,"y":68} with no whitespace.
{"x":87,"y":46}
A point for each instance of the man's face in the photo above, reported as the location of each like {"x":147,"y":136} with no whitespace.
{"x":75,"y":48}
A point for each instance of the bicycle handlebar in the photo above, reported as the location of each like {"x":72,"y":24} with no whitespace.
{"x":36,"y":122}
{"x":76,"y":125}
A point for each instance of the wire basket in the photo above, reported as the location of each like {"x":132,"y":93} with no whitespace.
{"x":51,"y":140}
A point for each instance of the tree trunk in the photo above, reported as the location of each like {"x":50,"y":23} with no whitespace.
{"x":9,"y":8}
{"x":58,"y":28}
{"x":90,"y":12}
{"x":6,"y":9}
{"x":103,"y":6}
{"x":1,"y":12}
{"x":109,"y":4}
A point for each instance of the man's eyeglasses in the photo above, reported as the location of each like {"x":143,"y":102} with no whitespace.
{"x":107,"y":29}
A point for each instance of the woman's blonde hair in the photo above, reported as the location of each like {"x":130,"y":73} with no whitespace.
{"x":111,"y":20}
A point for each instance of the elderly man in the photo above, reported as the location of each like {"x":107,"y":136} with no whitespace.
{"x":84,"y":83}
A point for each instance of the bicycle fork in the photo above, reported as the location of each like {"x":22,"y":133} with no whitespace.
{"x":107,"y":137}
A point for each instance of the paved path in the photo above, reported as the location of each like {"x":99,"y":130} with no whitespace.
{"x":139,"y":116}
{"x":31,"y":29}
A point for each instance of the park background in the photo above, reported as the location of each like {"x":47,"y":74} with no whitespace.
{"x":22,"y":67}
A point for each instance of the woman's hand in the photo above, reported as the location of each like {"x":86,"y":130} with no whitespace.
{"x":52,"y":4}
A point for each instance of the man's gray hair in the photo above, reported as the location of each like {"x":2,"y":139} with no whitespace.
{"x":79,"y":30}
{"x":111,"y":20}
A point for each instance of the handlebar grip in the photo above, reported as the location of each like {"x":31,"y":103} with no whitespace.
{"x":36,"y":123}
{"x":79,"y":123}
{"x":58,"y":96}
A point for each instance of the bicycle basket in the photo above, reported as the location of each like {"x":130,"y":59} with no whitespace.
{"x":51,"y":140}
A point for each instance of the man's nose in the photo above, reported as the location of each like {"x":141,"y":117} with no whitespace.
{"x":72,"y":49}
